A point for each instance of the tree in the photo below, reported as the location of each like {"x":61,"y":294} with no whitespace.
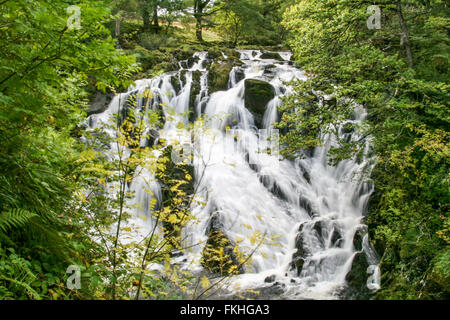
{"x":150,"y":11}
{"x":202,"y":10}
{"x":236,"y":19}
{"x":407,"y":103}
{"x":45,"y":69}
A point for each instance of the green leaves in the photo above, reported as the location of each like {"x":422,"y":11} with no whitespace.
{"x":15,"y":218}
{"x":407,"y":118}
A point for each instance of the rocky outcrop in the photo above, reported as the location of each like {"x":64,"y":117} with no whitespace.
{"x":99,"y":103}
{"x":219,"y":75}
{"x":271,"y":55}
{"x":219,"y":255}
{"x":298,"y":259}
{"x":222,"y":62}
{"x":258,"y":93}
{"x":357,"y":279}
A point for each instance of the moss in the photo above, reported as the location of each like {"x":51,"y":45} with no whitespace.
{"x":219,"y":75}
{"x":195,"y":90}
{"x":257,"y":95}
{"x":170,"y":178}
{"x":218,"y":255}
{"x":357,"y":279}
{"x":298,"y":258}
{"x":271,"y":55}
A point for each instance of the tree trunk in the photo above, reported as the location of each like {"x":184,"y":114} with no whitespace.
{"x":146,"y":18}
{"x":198,"y":15}
{"x":405,"y":35}
{"x":198,"y":31}
{"x":155,"y":19}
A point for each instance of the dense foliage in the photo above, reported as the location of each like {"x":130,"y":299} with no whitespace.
{"x":53,"y":208}
{"x":399,"y":73}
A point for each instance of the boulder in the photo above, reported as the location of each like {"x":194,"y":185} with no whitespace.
{"x":99,"y":103}
{"x":298,"y":258}
{"x":270,"y":279}
{"x":356,"y":279}
{"x":358,"y":239}
{"x":271,"y":55}
{"x":219,"y":255}
{"x":258,"y":93}
{"x":219,"y":75}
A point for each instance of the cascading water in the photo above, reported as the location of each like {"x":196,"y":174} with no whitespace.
{"x":308,"y":212}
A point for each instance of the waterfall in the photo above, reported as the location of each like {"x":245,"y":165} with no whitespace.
{"x":308,"y":211}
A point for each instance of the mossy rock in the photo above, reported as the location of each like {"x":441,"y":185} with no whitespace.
{"x":298,"y":258}
{"x":271,"y":55}
{"x":219,"y":75}
{"x":99,"y":102}
{"x":357,"y":279}
{"x":195,"y":90}
{"x":169,"y":178}
{"x":258,"y":93}
{"x":219,"y":256}
{"x":358,"y":239}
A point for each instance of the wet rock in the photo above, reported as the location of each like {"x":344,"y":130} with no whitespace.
{"x":175,"y":81}
{"x":356,"y":279}
{"x":240,"y":75}
{"x":358,"y":239}
{"x":271,"y":55}
{"x":219,"y":255}
{"x":270,"y":279}
{"x":336,"y":239}
{"x":195,"y":90}
{"x":258,"y":93}
{"x":318,"y":228}
{"x":99,"y":103}
{"x":218,"y":77}
{"x":298,"y":258}
{"x":306,"y":204}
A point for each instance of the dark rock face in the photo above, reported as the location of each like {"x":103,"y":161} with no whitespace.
{"x":336,"y":239}
{"x":258,"y":93}
{"x":219,"y":75}
{"x":358,"y":239}
{"x":270,"y":279}
{"x":99,"y":103}
{"x":298,"y":258}
{"x":195,"y":89}
{"x":219,"y":255}
{"x":271,"y":55}
{"x":174,"y":80}
{"x":169,"y":178}
{"x":357,"y":279}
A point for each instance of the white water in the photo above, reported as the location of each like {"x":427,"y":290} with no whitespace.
{"x":264,"y":197}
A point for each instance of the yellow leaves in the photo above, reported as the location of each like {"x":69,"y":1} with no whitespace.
{"x":87,"y":155}
{"x":249,"y":227}
{"x":173,"y":219}
{"x":256,"y":237}
{"x":80,"y":196}
{"x":204,"y":282}
{"x":102,"y":181}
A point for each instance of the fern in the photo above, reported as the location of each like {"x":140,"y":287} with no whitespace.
{"x":15,"y":218}
{"x":30,"y":291}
